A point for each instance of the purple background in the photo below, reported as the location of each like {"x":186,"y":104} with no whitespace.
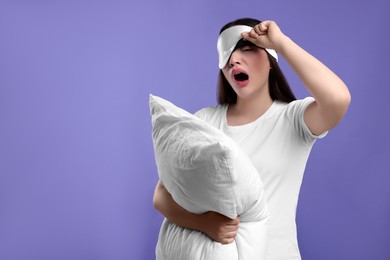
{"x":77,"y":170}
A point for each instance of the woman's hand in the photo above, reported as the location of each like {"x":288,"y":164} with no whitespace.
{"x":266,"y":34}
{"x":331,"y":95}
{"x":219,"y":227}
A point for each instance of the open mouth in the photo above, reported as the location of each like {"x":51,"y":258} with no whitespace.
{"x":241,"y":76}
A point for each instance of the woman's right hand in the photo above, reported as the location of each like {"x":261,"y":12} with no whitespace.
{"x":219,"y":227}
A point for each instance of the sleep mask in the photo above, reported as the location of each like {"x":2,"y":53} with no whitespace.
{"x":230,"y":40}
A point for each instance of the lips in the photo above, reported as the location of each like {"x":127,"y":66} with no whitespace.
{"x":240,"y":77}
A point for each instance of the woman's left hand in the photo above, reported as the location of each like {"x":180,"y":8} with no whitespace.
{"x":266,"y":34}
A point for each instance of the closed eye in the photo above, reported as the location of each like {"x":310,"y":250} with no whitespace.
{"x":248,"y":48}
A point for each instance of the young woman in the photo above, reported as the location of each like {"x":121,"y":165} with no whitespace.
{"x":259,"y":111}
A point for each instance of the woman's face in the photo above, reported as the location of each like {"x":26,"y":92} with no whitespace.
{"x":247,"y":71}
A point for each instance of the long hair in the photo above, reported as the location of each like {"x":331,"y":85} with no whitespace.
{"x":279,"y":88}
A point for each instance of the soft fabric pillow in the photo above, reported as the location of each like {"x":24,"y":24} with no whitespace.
{"x":202,"y":168}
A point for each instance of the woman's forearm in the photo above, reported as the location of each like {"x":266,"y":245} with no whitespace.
{"x":216,"y":226}
{"x":320,"y":81}
{"x":331,"y":94}
{"x":165,"y":204}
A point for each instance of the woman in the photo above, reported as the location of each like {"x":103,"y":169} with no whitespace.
{"x":258,"y":110}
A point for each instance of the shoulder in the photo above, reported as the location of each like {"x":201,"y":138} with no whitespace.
{"x":295,"y":108}
{"x":294,"y":112}
{"x":208,"y":113}
{"x":300,"y":103}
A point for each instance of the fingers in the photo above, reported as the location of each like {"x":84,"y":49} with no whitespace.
{"x":249,"y":36}
{"x":264,"y":25}
{"x":258,"y":30}
{"x":254,"y":34}
{"x":229,"y":228}
{"x":228,"y":237}
{"x":229,"y":231}
{"x":261,"y":28}
{"x":227,"y":241}
{"x":234,"y":222}
{"x":220,"y":228}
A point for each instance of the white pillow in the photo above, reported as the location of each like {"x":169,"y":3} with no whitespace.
{"x":202,"y":168}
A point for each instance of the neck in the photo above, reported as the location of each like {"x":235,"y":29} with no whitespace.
{"x":248,"y":109}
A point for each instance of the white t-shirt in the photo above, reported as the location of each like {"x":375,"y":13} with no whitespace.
{"x":278,"y":144}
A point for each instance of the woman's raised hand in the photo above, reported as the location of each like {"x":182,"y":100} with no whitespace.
{"x":266,"y":34}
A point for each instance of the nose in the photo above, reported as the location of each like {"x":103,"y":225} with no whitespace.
{"x":235,"y":58}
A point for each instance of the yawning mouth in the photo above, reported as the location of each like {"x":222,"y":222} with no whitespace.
{"x":240,"y":77}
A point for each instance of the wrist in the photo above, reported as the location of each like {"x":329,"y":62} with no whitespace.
{"x":283,"y":44}
{"x":198,"y":222}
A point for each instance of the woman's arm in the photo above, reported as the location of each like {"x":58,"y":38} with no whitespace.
{"x":331,"y":95}
{"x":218,"y":227}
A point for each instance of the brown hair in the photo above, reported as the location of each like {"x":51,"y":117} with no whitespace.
{"x":279,"y":88}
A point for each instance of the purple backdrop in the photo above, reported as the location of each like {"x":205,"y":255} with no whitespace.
{"x":77,"y":170}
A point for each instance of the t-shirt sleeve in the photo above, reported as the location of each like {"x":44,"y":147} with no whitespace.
{"x":209,"y":114}
{"x":201,"y":113}
{"x":295,"y":113}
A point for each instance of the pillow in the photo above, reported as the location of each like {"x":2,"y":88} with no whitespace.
{"x":201,"y":167}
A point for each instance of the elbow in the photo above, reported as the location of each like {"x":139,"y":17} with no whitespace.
{"x":334,"y":108}
{"x":346,"y":96}
{"x":344,"y":100}
{"x":157,"y":196}
{"x":341,"y":101}
{"x":155,"y":202}
{"x":340,"y":104}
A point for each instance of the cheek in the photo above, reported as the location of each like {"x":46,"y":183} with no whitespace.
{"x":226,"y":75}
{"x":262,"y":75}
{"x":262,"y":68}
